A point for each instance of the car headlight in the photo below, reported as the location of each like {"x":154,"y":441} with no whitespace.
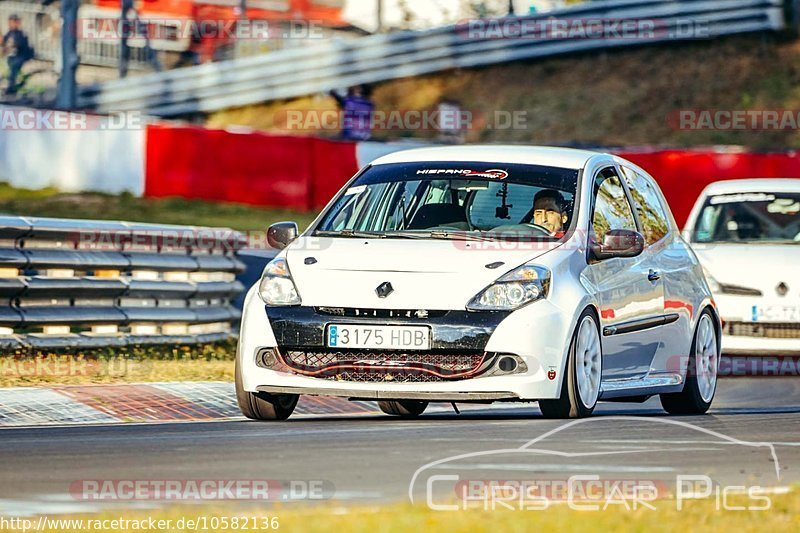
{"x":277,"y":287}
{"x":517,"y":288}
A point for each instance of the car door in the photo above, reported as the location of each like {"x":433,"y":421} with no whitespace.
{"x":631,"y":297}
{"x":667,"y":260}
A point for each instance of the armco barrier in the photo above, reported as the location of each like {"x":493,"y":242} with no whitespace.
{"x":76,"y":283}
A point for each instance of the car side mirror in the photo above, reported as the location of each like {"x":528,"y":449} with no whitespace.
{"x":280,"y":235}
{"x":618,"y":243}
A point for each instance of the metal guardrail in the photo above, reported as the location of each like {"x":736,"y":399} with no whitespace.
{"x":84,"y":284}
{"x":377,"y":58}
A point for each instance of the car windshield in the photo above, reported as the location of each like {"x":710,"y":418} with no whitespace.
{"x":455,"y":200}
{"x":750,"y":217}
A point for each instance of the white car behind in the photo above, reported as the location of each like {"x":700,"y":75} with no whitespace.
{"x":746,"y":234}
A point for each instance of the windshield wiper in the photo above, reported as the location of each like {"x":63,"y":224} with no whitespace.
{"x":352,"y":234}
{"x":455,"y":236}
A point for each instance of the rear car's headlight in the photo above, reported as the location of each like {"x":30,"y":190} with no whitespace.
{"x":277,"y":287}
{"x":519,"y":287}
{"x":727,"y":288}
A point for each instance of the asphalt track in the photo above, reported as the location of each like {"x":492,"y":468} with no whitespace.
{"x":373,"y":458}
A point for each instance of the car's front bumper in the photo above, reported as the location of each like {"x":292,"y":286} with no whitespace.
{"x":538,"y":334}
{"x":757,"y":345}
{"x":744,"y":332}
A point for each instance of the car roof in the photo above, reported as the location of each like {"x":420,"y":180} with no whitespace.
{"x":753,"y":185}
{"x":525,"y":155}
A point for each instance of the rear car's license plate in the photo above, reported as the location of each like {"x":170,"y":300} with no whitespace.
{"x":379,"y":337}
{"x":776,"y":313}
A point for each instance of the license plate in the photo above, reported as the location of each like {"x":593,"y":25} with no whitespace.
{"x":776,"y":313}
{"x":379,"y":337}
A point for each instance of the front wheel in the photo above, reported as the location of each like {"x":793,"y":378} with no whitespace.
{"x":403,"y":408}
{"x":701,"y":374}
{"x":580,"y":388}
{"x":260,"y":405}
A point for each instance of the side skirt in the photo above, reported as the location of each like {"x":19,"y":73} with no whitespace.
{"x":649,"y":386}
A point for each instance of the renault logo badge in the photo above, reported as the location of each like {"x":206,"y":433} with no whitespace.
{"x":384,"y":290}
{"x":782,"y":289}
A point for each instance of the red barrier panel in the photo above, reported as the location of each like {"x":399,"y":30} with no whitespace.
{"x":683,"y":175}
{"x":333,"y":164}
{"x":305,"y":172}
{"x":251,"y":168}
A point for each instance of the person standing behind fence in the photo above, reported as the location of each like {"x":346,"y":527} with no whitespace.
{"x":357,"y":110}
{"x":17,"y":49}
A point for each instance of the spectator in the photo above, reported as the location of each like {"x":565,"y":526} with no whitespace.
{"x":451,"y":123}
{"x":357,"y":111}
{"x":191,"y":56}
{"x":18,"y":51}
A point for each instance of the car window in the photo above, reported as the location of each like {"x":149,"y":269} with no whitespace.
{"x":611,"y":208}
{"x":649,"y":206}
{"x":411,"y":200}
{"x":772,"y":217}
{"x":516,"y":202}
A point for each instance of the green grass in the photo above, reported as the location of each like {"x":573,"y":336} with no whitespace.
{"x":52,"y":203}
{"x":700,"y":515}
{"x":105,"y":366}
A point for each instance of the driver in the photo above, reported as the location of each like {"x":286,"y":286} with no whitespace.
{"x":548,"y":211}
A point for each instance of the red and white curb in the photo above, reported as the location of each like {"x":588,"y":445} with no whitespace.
{"x":143,"y":403}
{"x":154,"y":403}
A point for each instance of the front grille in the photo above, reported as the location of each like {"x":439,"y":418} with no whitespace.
{"x":379,"y":366}
{"x":352,"y":312}
{"x":763,"y":330}
{"x":384,"y":377}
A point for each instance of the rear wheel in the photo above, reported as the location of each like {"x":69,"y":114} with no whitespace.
{"x":403,"y":408}
{"x":580,"y":388}
{"x":701,"y":375}
{"x":260,"y":405}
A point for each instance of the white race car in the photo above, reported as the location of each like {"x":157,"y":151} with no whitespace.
{"x":480,"y":274}
{"x":746,"y":234}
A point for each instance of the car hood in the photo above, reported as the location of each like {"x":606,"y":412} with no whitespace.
{"x":756,"y":266}
{"x":425,"y":274}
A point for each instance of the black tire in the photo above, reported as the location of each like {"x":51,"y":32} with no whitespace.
{"x":689,"y":401}
{"x":263,"y":406}
{"x":569,"y":405}
{"x":403,"y":408}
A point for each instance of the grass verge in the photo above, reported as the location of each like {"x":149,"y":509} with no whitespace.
{"x":622,"y":97}
{"x":52,"y":203}
{"x":784,"y":515}
{"x":213,"y":362}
